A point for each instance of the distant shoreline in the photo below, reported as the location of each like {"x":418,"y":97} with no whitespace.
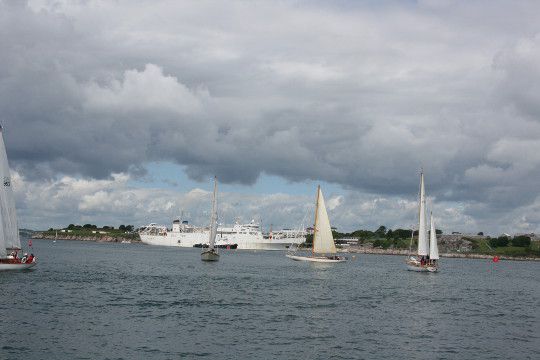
{"x":351,"y":250}
{"x":399,"y":252}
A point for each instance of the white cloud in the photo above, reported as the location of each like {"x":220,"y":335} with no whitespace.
{"x":147,"y":90}
{"x":113,"y":202}
{"x":334,"y":202}
{"x":358,"y":94}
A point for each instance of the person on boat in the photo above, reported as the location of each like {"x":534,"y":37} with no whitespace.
{"x":24,"y":258}
{"x":13,"y":258}
{"x":30,"y":259}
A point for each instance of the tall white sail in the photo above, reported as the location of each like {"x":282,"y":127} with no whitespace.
{"x":323,"y":241}
{"x":423,"y":246}
{"x":213,"y":218}
{"x":433,"y":250}
{"x":3,"y":250}
{"x":9,"y":231}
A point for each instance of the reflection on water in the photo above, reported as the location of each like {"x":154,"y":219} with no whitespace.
{"x":125,"y":301}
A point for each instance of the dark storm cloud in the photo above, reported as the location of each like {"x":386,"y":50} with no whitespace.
{"x":359,"y":95}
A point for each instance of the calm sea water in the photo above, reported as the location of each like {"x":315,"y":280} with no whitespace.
{"x":128,"y":301}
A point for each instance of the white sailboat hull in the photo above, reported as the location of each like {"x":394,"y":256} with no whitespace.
{"x":420,"y":268}
{"x":209,"y":255}
{"x":16,"y":267}
{"x":320,"y":259}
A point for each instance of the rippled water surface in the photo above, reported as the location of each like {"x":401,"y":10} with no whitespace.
{"x":130,"y":301}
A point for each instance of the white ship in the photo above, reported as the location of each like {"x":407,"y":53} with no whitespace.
{"x":238,"y":236}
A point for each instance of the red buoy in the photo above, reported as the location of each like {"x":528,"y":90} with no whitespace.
{"x":495,"y":259}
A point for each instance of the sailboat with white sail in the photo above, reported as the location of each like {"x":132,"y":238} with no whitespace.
{"x":210,"y":253}
{"x":427,"y":254}
{"x":10,"y":242}
{"x":323,"y":249}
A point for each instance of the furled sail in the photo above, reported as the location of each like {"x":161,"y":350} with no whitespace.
{"x":423,"y":246}
{"x":9,"y":229}
{"x":213,"y":218}
{"x":323,"y":241}
{"x":433,"y":250}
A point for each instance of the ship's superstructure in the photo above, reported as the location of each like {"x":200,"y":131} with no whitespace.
{"x":242,"y":236}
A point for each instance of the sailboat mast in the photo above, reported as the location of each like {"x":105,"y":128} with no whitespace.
{"x":420,"y":199}
{"x":412,"y":237}
{"x":316,"y":219}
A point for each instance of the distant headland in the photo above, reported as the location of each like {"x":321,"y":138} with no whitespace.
{"x":90,"y":232}
{"x":398,"y":241}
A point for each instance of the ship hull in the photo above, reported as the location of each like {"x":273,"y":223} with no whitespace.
{"x":176,"y":239}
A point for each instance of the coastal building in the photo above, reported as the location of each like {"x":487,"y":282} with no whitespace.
{"x":347,"y":241}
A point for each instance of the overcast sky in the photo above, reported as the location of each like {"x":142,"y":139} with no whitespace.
{"x":122,"y":111}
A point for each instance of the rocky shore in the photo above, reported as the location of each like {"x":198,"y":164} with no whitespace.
{"x":93,"y":237}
